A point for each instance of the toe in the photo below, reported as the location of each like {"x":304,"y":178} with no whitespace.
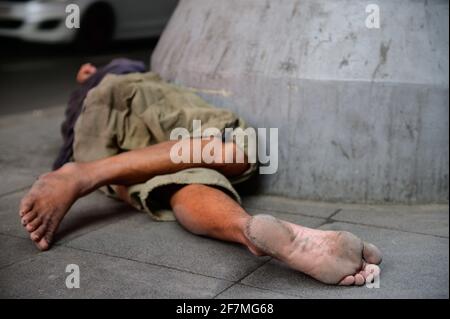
{"x":34,"y":224}
{"x":25,"y":206}
{"x":38,"y":233}
{"x":43,"y":244}
{"x":347,"y":281}
{"x":359,"y":280}
{"x":48,"y":236}
{"x":28,"y":217}
{"x":372,"y":254}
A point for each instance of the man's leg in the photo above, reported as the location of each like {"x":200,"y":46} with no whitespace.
{"x":331,"y":257}
{"x":52,"y":195}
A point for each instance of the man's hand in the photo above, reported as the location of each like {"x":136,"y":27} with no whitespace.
{"x":85,"y":72}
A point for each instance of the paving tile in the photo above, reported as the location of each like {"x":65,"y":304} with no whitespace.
{"x":287,"y":205}
{"x":30,"y":142}
{"x":101,"y":277}
{"x":239,"y":291}
{"x":13,"y":249}
{"x":166,"y":243}
{"x":414,"y":266}
{"x":14,"y":179}
{"x":32,"y":139}
{"x":87,"y":214}
{"x":424,"y":219}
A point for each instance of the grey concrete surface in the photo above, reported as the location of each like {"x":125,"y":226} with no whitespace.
{"x":423,"y":219}
{"x":274,"y":204}
{"x":102,"y":277}
{"x":29,"y":144}
{"x":123,"y":254}
{"x":240,"y":291}
{"x":362,"y":113}
{"x":15,"y":249}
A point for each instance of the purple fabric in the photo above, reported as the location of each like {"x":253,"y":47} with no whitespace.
{"x":75,"y":104}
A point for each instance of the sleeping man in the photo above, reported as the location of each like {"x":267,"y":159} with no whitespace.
{"x":117,"y":139}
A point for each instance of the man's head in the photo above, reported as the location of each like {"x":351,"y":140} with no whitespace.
{"x":85,"y":72}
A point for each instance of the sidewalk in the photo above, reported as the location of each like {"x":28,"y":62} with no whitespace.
{"x":123,"y":254}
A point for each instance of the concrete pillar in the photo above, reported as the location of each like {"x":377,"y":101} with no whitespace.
{"x":362,"y":113}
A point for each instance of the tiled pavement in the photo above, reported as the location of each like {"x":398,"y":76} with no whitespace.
{"x":123,"y":254}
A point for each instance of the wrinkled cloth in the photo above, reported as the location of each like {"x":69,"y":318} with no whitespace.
{"x":134,"y":111}
{"x":117,"y":66}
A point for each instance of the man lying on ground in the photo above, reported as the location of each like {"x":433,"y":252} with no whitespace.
{"x":117,"y":139}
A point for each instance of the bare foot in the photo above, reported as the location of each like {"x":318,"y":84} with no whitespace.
{"x":48,"y":201}
{"x":328,"y":256}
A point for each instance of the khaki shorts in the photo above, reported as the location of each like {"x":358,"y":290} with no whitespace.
{"x":127,"y":112}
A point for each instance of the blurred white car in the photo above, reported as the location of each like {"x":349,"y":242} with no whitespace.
{"x":101,"y":20}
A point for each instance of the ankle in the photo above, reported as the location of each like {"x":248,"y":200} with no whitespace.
{"x":80,"y":175}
